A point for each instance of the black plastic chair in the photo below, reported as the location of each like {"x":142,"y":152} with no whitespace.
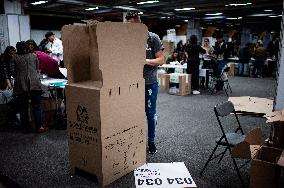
{"x":228,"y":139}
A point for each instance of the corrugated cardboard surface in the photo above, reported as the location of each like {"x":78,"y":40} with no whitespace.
{"x":276,"y":120}
{"x":184,"y":83}
{"x":111,"y":140}
{"x":254,"y":105}
{"x":264,"y":169}
{"x":164,"y":80}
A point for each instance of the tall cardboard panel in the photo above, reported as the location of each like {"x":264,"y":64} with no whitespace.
{"x":105,"y":98}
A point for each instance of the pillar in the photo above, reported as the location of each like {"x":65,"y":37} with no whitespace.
{"x":193,"y":28}
{"x":14,"y":26}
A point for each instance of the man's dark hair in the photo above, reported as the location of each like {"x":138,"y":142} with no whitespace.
{"x":193,"y":39}
{"x":48,"y":34}
{"x":21,"y":47}
{"x":32,"y":42}
{"x":131,"y":14}
{"x":219,"y":36}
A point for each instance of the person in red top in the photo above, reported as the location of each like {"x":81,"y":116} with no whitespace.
{"x":47,"y":64}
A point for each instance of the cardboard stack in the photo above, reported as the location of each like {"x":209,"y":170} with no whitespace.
{"x":105,"y":98}
{"x":266,"y":162}
{"x":164,"y":81}
{"x":255,"y":106}
{"x":277,"y":122}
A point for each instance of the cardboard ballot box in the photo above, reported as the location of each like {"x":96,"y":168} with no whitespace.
{"x":182,"y":84}
{"x":277,"y":122}
{"x":105,"y":98}
{"x":164,"y":81}
{"x":265,"y":161}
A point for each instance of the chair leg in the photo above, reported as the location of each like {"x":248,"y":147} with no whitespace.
{"x":238,"y":172}
{"x":222,"y":155}
{"x":229,"y":86}
{"x":225,"y":90}
{"x":207,"y":162}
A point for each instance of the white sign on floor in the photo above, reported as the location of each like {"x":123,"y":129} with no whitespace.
{"x":163,"y":175}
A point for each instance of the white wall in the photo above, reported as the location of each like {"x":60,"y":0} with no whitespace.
{"x":38,"y":35}
{"x":13,"y":7}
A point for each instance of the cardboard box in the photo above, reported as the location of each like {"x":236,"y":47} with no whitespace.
{"x":164,"y":80}
{"x":266,"y":161}
{"x":252,"y":105}
{"x":105,"y":98}
{"x":277,"y":122}
{"x":233,"y":69}
{"x":182,"y":84}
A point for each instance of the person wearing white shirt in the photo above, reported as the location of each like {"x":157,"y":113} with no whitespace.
{"x":54,"y":47}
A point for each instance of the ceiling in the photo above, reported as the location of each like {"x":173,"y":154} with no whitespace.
{"x":162,"y":13}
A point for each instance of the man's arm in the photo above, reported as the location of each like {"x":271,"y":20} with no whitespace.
{"x":159,"y":60}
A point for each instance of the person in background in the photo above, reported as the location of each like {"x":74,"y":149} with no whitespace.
{"x":47,"y":64}
{"x":233,"y":47}
{"x":27,"y":86}
{"x":206,"y":46}
{"x":180,"y":48}
{"x":54,"y":47}
{"x":154,"y":58}
{"x":260,"y":55}
{"x":273,"y":48}
{"x":5,"y":72}
{"x":193,"y":50}
{"x":222,"y":54}
{"x":172,"y":58}
{"x":245,"y":56}
{"x":43,"y":45}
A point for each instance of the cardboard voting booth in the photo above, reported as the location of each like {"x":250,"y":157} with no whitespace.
{"x":105,"y":98}
{"x":170,"y":175}
{"x":265,"y":161}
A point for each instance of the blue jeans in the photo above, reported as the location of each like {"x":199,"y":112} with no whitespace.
{"x":258,"y":67}
{"x":220,"y":84}
{"x":243,"y":69}
{"x":151,"y":92}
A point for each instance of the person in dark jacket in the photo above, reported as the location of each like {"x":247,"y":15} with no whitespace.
{"x":193,"y":50}
{"x":27,"y":86}
{"x":5,"y":72}
{"x":245,"y":56}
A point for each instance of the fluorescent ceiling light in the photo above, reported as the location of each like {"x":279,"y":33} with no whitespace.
{"x":39,"y":2}
{"x":232,"y":18}
{"x":163,"y":17}
{"x":268,"y":10}
{"x":92,"y":8}
{"x":140,"y":13}
{"x":214,"y":17}
{"x":238,"y":4}
{"x":258,"y":15}
{"x":275,"y":16}
{"x":185,"y":20}
{"x":214,"y":14}
{"x":184,"y":9}
{"x":147,"y":2}
{"x":272,"y":16}
{"x":126,"y":8}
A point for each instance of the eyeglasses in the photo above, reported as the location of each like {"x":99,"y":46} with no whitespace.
{"x":206,"y":41}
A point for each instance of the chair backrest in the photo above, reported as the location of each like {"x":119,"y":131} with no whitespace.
{"x":224,"y":109}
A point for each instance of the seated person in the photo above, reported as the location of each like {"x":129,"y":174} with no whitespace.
{"x":172,"y":58}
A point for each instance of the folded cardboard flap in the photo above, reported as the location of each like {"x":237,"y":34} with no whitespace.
{"x":275,"y":116}
{"x":247,"y":148}
{"x":94,"y":51}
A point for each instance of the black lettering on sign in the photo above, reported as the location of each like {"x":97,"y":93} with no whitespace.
{"x":140,"y":182}
{"x":170,"y":181}
{"x":179,"y":181}
{"x":158,"y":181}
{"x":187,"y":180}
{"x":149,"y":182}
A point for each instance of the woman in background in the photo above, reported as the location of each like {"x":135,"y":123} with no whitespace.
{"x":193,"y":50}
{"x":27,"y":86}
{"x":5,"y":72}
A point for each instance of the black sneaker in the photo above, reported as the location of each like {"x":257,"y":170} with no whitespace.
{"x":152,"y":148}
